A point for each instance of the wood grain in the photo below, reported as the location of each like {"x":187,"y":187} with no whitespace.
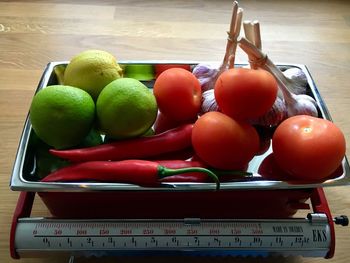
{"x":33,"y":33}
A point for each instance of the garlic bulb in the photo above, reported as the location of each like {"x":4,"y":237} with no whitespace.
{"x":301,"y":105}
{"x":259,"y":59}
{"x":274,"y":116}
{"x":299,"y":78}
{"x":297,"y":104}
{"x":208,"y":102}
{"x":206,"y":74}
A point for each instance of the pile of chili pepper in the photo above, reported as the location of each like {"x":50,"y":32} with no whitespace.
{"x":129,"y":161}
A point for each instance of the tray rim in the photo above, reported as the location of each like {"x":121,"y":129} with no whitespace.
{"x":18,"y":183}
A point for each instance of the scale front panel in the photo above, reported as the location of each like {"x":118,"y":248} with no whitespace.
{"x":192,"y":236}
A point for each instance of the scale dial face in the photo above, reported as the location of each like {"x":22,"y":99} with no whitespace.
{"x":204,"y":236}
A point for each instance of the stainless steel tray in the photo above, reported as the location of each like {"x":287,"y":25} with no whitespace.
{"x":23,"y":165}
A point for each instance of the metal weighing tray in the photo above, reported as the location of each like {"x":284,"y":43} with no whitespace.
{"x":98,"y":219}
{"x":21,"y":179}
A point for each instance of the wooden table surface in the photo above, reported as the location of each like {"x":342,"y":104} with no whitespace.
{"x":32,"y":33}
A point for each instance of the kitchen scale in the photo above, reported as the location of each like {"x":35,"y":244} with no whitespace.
{"x":251,"y":216}
{"x":312,"y":236}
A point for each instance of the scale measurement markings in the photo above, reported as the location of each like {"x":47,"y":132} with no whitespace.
{"x":178,"y":242}
{"x":171,"y":235}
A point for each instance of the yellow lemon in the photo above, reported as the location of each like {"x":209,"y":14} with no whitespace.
{"x":92,"y":70}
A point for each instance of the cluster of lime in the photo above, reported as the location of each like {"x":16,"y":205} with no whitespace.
{"x":94,"y":95}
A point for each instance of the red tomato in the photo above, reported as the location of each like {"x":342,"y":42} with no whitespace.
{"x":159,"y":68}
{"x":178,"y":94}
{"x":269,"y":170}
{"x":308,"y":148}
{"x":224,"y":143}
{"x":164,"y":123}
{"x":244,"y":94}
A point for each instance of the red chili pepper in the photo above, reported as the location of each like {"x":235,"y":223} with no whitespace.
{"x":194,"y":177}
{"x":139,"y":148}
{"x":140,"y":172}
{"x":224,"y":175}
{"x":183,"y":154}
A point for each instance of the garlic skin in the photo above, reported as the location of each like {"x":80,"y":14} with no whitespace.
{"x":302,"y":105}
{"x":208,"y":102}
{"x":299,"y":78}
{"x":206,"y":74}
{"x":274,"y":116}
{"x":297,"y":104}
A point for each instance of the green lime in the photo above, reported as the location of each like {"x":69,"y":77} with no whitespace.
{"x":46,"y":163}
{"x":92,"y":70}
{"x":149,"y":132}
{"x":59,"y":72}
{"x":139,"y":71}
{"x":62,"y":116}
{"x":108,"y":139}
{"x":93,"y":138}
{"x":126,"y":108}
